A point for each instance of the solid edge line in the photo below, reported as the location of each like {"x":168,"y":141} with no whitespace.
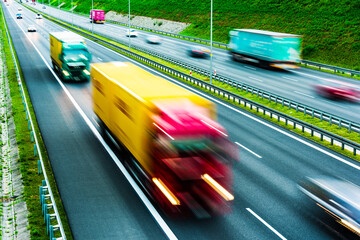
{"x":142,"y":196}
{"x":248,"y":150}
{"x":266,"y":224}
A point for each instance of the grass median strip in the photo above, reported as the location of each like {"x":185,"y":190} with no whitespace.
{"x":28,"y":162}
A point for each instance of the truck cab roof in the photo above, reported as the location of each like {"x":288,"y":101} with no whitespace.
{"x":269,"y":33}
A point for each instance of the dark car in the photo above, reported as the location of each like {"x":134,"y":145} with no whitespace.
{"x":198,"y":51}
{"x":339,"y":198}
{"x":334,"y":89}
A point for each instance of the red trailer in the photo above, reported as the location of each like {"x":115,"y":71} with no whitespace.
{"x":98,"y":16}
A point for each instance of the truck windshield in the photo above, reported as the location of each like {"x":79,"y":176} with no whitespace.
{"x":76,"y":54}
{"x":218,"y":147}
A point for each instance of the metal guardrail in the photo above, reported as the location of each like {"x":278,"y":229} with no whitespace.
{"x":224,"y":94}
{"x":46,"y":200}
{"x":329,"y":67}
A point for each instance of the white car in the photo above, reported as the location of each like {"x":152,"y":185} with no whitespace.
{"x":31,"y":28}
{"x":38,"y":16}
{"x":133,"y":33}
{"x":152,"y":39}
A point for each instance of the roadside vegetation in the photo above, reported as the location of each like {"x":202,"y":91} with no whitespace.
{"x":329,"y":27}
{"x":28,"y":162}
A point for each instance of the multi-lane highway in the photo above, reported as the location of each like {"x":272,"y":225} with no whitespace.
{"x":297,"y":85}
{"x":100,"y":201}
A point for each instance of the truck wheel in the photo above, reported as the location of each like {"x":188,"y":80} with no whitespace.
{"x":54,"y":66}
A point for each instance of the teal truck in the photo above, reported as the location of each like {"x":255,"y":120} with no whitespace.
{"x":265,"y":47}
{"x":70,"y":56}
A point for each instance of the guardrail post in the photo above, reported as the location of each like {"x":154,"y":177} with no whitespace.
{"x":350,"y":127}
{"x":312,"y":132}
{"x":29,"y":125}
{"x":342,"y":146}
{"x":332,"y":141}
{"x":32,"y":136}
{"x":339,"y":123}
{"x":354,"y":151}
{"x":39,"y":167}
{"x":35,"y":150}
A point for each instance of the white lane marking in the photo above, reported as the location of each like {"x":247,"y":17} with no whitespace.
{"x":309,"y":75}
{"x":304,"y":94}
{"x":248,"y":150}
{"x":266,"y":224}
{"x":99,"y":59}
{"x":291,"y":79}
{"x":238,"y":111}
{"x":245,"y":66}
{"x":221,"y":68}
{"x":160,"y":221}
{"x":256,"y":79}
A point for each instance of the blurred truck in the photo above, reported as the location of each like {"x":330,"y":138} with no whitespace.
{"x":70,"y":56}
{"x":265,"y":48}
{"x":182,"y":155}
{"x":98,"y":16}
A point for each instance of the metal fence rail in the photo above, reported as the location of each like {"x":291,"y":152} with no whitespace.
{"x":224,"y":94}
{"x":52,"y":220}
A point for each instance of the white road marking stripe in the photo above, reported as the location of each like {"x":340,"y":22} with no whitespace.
{"x":256,"y":79}
{"x":249,"y":67}
{"x":137,"y":189}
{"x":309,"y":75}
{"x":291,"y":79}
{"x":248,"y":150}
{"x":304,"y":94}
{"x":266,"y":224}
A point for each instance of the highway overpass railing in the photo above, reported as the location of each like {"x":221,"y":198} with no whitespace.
{"x":48,"y":205}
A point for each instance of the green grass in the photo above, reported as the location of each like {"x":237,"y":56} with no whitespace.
{"x":28,"y":163}
{"x":330,"y":27}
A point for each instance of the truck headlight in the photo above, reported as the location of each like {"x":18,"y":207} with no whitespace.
{"x":66,"y":73}
{"x":86,"y":72}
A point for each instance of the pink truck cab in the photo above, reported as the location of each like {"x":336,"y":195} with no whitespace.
{"x":98,"y":16}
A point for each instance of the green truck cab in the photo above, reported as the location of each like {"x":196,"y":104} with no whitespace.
{"x":70,"y":56}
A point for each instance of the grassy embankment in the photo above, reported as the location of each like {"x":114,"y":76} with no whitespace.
{"x":329,"y":27}
{"x":28,"y":162}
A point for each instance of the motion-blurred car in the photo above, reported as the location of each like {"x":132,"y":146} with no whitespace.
{"x":152,"y":39}
{"x":334,"y":89}
{"x":19,"y":9}
{"x":31,"y":28}
{"x":339,"y":198}
{"x":198,"y":51}
{"x":38,"y":16}
{"x":43,"y":7}
{"x":133,"y":33}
